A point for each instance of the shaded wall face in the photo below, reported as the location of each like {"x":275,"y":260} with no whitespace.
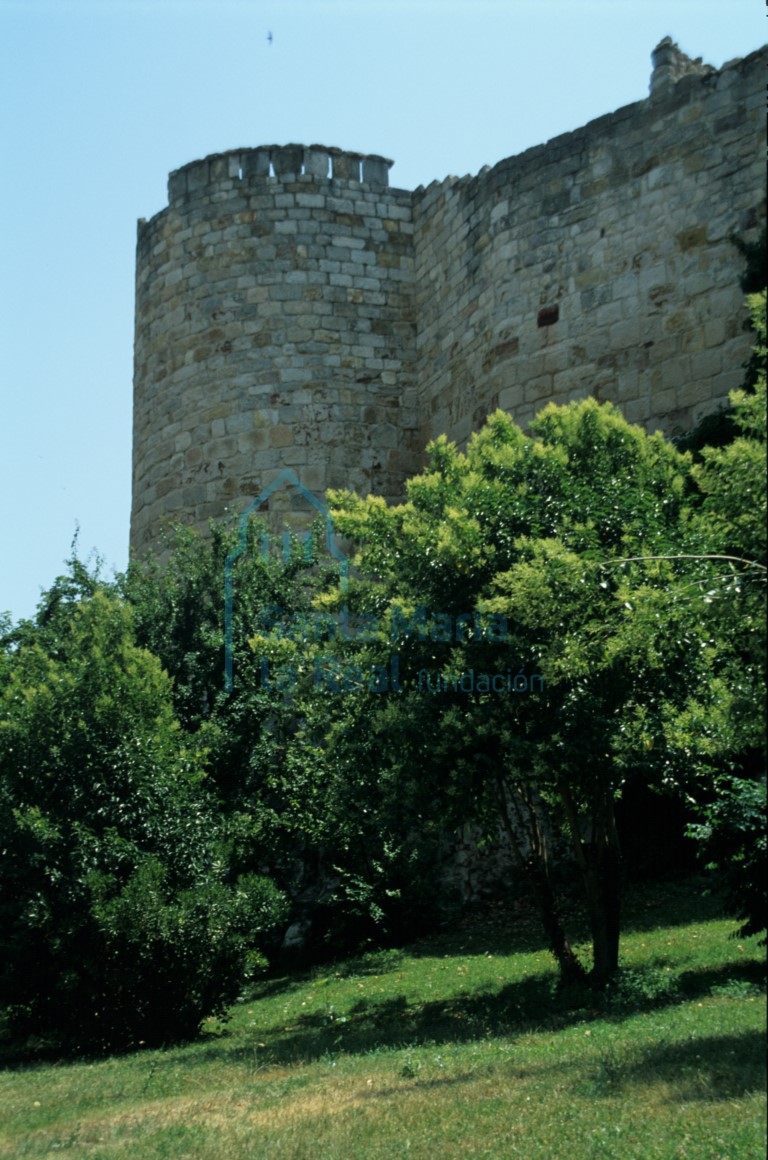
{"x":598,"y":264}
{"x":274,"y":328}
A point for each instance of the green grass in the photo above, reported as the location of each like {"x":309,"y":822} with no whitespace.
{"x":457,"y":1047}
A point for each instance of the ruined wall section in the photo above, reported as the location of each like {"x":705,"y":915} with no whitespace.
{"x":600,"y":263}
{"x":274,"y":328}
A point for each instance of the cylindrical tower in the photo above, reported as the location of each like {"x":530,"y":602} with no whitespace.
{"x":274,"y":328}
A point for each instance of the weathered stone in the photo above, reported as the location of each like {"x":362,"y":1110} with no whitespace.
{"x":316,"y":162}
{"x":346,"y":166}
{"x":323,"y":320}
{"x":376,"y":170}
{"x":287,"y":161}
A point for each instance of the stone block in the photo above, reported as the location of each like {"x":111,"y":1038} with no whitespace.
{"x":177,"y":185}
{"x":663,"y":401}
{"x":220,"y":168}
{"x":376,"y":170}
{"x":197,"y":176}
{"x":706,"y":364}
{"x":316,"y":162}
{"x":346,"y":167}
{"x":287,"y":161}
{"x":690,"y":392}
{"x":310,"y":201}
{"x":635,"y":410}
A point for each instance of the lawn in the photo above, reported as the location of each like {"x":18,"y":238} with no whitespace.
{"x":459,"y":1046}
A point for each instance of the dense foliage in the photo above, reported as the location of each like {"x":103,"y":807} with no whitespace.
{"x":120,"y":919}
{"x":549,"y":621}
{"x":337,"y":837}
{"x":620,"y":590}
{"x":732,"y":523}
{"x":536,"y":680}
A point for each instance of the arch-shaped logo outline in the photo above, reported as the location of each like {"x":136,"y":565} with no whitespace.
{"x":286,"y":476}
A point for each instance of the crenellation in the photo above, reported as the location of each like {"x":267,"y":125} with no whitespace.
{"x":292,"y":308}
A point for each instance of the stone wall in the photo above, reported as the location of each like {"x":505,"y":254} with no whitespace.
{"x":274,"y":328}
{"x":292,"y":310}
{"x":600,"y":263}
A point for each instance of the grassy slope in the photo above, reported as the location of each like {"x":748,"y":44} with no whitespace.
{"x":455,"y":1048}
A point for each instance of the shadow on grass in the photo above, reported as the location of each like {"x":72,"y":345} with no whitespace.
{"x":503,"y":930}
{"x":529,"y":1005}
{"x":532,"y":1004}
{"x":516,"y":929}
{"x":732,"y":979}
{"x":714,"y":1068}
{"x":387,"y":1024}
{"x":670,"y":904}
{"x":711,"y":1068}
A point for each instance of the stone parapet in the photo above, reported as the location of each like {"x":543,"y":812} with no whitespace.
{"x":294,"y":310}
{"x":278,"y":163}
{"x":670,"y":65}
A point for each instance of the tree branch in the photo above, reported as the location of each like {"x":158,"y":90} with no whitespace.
{"x":682,"y":556}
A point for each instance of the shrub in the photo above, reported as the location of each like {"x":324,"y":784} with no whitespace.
{"x":120,"y":921}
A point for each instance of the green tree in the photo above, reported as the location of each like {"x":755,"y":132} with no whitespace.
{"x":731,"y":526}
{"x":120,"y":921}
{"x":566,"y":537}
{"x":608,"y":559}
{"x":319,"y":828}
{"x":733,"y":845}
{"x":178,"y":607}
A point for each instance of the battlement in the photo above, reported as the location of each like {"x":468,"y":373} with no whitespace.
{"x":283,"y":163}
{"x":294,"y":310}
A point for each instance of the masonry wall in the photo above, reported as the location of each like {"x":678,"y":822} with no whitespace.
{"x":598,"y":264}
{"x":293,"y":310}
{"x":274,"y":328}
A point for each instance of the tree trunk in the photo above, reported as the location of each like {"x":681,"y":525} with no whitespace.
{"x":571,"y":970}
{"x":534,"y":868}
{"x":600,"y":864}
{"x":602,"y":882}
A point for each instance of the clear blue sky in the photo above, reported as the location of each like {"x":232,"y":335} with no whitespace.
{"x":99,"y":99}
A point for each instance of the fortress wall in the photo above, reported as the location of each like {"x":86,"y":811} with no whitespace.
{"x":598,"y":263}
{"x":274,"y":328}
{"x":292,"y":310}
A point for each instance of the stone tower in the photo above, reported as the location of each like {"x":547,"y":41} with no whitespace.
{"x":293,"y":310}
{"x":274,"y":328}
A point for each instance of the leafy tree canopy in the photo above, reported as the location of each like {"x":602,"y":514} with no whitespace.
{"x":120,"y":922}
{"x":584,"y":540}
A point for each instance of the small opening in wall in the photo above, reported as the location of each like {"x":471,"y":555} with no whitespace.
{"x":548,"y":315}
{"x":240,"y":172}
